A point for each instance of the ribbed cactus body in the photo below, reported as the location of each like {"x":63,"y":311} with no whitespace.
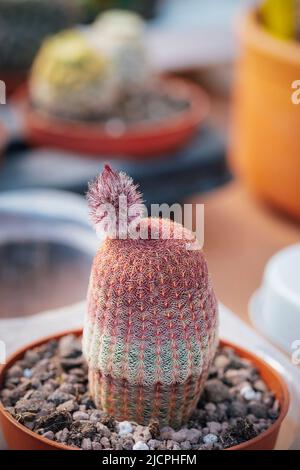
{"x":151,"y":327}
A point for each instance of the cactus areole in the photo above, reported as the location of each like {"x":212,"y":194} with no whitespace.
{"x":150,"y":331}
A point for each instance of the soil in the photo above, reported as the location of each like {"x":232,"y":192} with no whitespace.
{"x":47,"y":391}
{"x":143,"y":107}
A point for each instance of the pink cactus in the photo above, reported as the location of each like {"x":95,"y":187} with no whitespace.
{"x":150,"y":330}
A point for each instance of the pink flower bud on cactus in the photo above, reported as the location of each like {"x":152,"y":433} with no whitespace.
{"x":150,"y":331}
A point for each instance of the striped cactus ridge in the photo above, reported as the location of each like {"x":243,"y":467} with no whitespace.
{"x":150,"y":331}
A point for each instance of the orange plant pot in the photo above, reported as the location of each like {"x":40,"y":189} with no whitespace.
{"x":139,"y":141}
{"x":18,"y":437}
{"x":265,"y":149}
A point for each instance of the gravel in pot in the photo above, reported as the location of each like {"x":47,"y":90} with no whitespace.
{"x":47,"y":391}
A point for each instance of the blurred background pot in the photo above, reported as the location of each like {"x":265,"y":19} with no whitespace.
{"x":138,"y":140}
{"x":266,"y":124}
{"x":18,"y":437}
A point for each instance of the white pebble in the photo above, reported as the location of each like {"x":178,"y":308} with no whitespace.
{"x":27,"y":373}
{"x":125,"y":428}
{"x":140,"y":445}
{"x":248,"y":393}
{"x":210,"y":439}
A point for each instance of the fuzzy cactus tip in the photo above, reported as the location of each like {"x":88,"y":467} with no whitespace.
{"x":114,"y":203}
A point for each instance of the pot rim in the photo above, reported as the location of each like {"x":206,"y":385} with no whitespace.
{"x":194,"y":114}
{"x":284,"y":402}
{"x":251,"y":31}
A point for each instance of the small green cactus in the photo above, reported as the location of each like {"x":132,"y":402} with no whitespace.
{"x":84,"y":74}
{"x":70,"y":78}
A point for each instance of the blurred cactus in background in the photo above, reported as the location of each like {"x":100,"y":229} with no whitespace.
{"x":146,"y":8}
{"x":25,"y":23}
{"x":150,"y":331}
{"x":85,"y":73}
{"x":69,"y":78}
{"x":121,"y":35}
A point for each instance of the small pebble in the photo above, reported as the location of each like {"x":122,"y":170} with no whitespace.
{"x":210,"y":439}
{"x":105,"y":442}
{"x":216,"y":391}
{"x":140,"y":445}
{"x":237,"y":409}
{"x":179,"y":436}
{"x":167,"y":432}
{"x":260,"y":386}
{"x":86,"y":444}
{"x":236,"y":376}
{"x":103,"y":430}
{"x":59,"y":397}
{"x":15,"y":372}
{"x":125,"y":428}
{"x":69,"y":405}
{"x":258,"y":409}
{"x":80,"y":416}
{"x":127,"y":444}
{"x":49,"y":435}
{"x":96,"y":446}
{"x":193,"y":435}
{"x":27,"y":373}
{"x":185,"y":445}
{"x":222,"y":361}
{"x":248,"y":393}
{"x":155,"y":443}
{"x":214,"y":427}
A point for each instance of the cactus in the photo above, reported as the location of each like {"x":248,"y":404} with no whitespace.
{"x":85,"y":75}
{"x":25,"y":23}
{"x":70,"y":79}
{"x":120,"y":34}
{"x":150,"y":331}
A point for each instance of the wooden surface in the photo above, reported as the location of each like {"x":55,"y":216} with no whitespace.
{"x":241,"y":234}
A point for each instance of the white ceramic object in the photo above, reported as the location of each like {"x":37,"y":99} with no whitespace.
{"x":275,"y":308}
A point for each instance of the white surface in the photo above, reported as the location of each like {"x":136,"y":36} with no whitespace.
{"x":18,"y":332}
{"x":275,"y":308}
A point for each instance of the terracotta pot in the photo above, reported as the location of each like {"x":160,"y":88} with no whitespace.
{"x":139,"y":141}
{"x":18,"y":437}
{"x":265,"y":150}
